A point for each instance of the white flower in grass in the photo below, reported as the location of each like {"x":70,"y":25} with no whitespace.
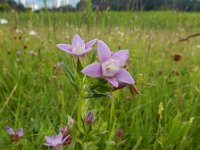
{"x":33,"y":33}
{"x":3,"y":21}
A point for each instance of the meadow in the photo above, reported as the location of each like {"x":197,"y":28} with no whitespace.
{"x":37,"y":95}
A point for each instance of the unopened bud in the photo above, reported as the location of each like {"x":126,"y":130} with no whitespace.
{"x":89,"y":118}
{"x":119,"y":133}
{"x":160,"y":110}
{"x":70,"y":122}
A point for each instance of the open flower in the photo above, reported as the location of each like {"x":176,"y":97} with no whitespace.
{"x":111,"y":66}
{"x":15,"y":137}
{"x":55,"y":141}
{"x":78,"y":47}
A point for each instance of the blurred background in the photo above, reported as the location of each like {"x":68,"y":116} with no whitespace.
{"x":101,"y":5}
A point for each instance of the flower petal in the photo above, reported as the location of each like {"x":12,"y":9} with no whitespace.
{"x":121,"y":56}
{"x":20,"y":132}
{"x":86,"y":51}
{"x":47,"y":144}
{"x":77,"y":39}
{"x":124,"y":76}
{"x":93,"y":70}
{"x":49,"y":139}
{"x":65,"y":47}
{"x":113,"y":81}
{"x":9,"y":130}
{"x":90,"y":43}
{"x":103,"y":51}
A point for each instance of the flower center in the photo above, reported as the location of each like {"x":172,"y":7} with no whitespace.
{"x":110,"y":68}
{"x":78,"y":48}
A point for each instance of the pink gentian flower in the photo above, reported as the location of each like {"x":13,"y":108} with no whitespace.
{"x":78,"y":47}
{"x":56,"y":141}
{"x":15,"y":137}
{"x":111,"y":66}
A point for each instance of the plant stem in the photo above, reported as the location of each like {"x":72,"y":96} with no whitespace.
{"x":79,"y":111}
{"x":112,"y":120}
{"x":112,"y":109}
{"x":81,"y":103}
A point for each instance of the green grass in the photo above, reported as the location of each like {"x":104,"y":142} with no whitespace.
{"x":33,"y":95}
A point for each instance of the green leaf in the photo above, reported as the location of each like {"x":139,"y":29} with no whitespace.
{"x":97,"y":95}
{"x":70,"y":75}
{"x":138,"y":143}
{"x":102,"y":133}
{"x":93,"y":58}
{"x":110,"y":143}
{"x":79,"y":67}
{"x":100,"y":85}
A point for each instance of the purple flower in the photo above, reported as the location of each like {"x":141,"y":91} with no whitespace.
{"x":111,"y":66}
{"x":55,"y":141}
{"x":15,"y":136}
{"x":78,"y":47}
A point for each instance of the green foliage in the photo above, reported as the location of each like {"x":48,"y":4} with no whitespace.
{"x":89,"y":17}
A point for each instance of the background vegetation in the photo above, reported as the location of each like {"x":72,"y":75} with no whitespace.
{"x":122,"y":5}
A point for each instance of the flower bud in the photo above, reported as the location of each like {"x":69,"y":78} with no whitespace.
{"x":119,"y":133}
{"x":177,"y":57}
{"x":89,"y":118}
{"x":70,"y":122}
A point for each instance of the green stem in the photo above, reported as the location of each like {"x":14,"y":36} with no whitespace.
{"x":112,"y":120}
{"x":112,"y":109}
{"x":79,"y":111}
{"x":81,"y":102}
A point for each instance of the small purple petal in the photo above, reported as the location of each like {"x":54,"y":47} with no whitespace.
{"x":104,"y":52}
{"x":20,"y":132}
{"x":93,"y":70}
{"x":54,"y":141}
{"x":90,"y":43}
{"x":121,"y":56}
{"x":65,"y":138}
{"x":77,"y":39}
{"x":124,"y":76}
{"x":49,"y":139}
{"x":65,"y":47}
{"x":10,"y":130}
{"x":113,"y":81}
{"x":60,"y":136}
{"x":86,"y":51}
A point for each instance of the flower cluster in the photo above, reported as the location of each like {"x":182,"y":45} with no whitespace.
{"x":110,"y":65}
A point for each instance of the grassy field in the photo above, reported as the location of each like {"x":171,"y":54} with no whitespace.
{"x":36,"y":95}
